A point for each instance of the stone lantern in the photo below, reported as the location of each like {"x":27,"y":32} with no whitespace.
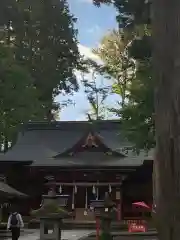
{"x":103,"y":211}
{"x":51,"y":215}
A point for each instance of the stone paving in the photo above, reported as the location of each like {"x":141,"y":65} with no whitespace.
{"x":29,"y":234}
{"x":66,"y":234}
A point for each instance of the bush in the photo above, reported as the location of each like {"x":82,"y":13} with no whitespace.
{"x":106,"y":236}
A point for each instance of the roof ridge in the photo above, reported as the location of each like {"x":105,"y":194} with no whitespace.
{"x":45,"y":125}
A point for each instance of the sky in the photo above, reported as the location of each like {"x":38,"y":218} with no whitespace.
{"x":92,"y":24}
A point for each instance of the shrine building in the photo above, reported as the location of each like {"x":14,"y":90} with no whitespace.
{"x":85,"y":160}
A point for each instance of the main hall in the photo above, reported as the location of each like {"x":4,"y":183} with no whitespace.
{"x":85,"y":159}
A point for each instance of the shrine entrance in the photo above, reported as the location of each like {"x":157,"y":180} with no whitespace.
{"x":81,"y":195}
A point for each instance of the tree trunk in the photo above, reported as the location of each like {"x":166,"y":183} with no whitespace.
{"x":166,"y":34}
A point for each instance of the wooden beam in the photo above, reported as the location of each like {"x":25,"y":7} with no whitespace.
{"x":87,"y":184}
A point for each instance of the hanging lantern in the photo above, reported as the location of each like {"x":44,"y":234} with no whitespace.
{"x":97,"y":193}
{"x":110,"y":189}
{"x":60,"y":189}
{"x":6,"y":205}
{"x":86,"y":204}
{"x":94,"y":190}
{"x":73,"y":205}
{"x":75,"y":189}
{"x":86,"y":200}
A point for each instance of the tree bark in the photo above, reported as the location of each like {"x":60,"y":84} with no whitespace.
{"x":166,"y":56}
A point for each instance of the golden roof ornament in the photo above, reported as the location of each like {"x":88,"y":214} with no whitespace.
{"x":90,"y":141}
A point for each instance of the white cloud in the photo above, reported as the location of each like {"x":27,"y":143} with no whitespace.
{"x":82,"y":106}
{"x":87,"y":52}
{"x":82,"y":117}
{"x":78,"y":112}
{"x":94,"y":30}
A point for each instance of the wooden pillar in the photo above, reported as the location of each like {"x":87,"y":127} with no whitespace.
{"x":119,"y":204}
{"x":74,"y":193}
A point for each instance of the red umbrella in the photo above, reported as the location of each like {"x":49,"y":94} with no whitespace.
{"x":141,"y":204}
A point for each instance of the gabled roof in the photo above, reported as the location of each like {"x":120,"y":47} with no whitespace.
{"x":90,"y":142}
{"x":44,"y":143}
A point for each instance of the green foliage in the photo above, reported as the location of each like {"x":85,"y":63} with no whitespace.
{"x":48,"y":209}
{"x":113,"y":51}
{"x":19,"y":98}
{"x":130,"y":12}
{"x":38,"y":60}
{"x":136,"y":112}
{"x":96,"y":95}
{"x":106,"y":236}
{"x":141,"y":48}
{"x":44,"y":40}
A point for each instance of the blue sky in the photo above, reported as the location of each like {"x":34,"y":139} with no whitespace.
{"x":92,"y":24}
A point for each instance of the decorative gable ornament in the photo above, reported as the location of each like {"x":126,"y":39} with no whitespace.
{"x":90,"y":141}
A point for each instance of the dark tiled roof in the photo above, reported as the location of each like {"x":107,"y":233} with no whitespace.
{"x":91,"y":159}
{"x":40,"y":142}
{"x":5,"y":189}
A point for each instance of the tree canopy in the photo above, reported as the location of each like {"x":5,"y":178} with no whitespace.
{"x":130,"y":73}
{"x":96,"y":95}
{"x":130,"y":12}
{"x":44,"y":40}
{"x":126,"y":54}
{"x":44,"y":55}
{"x":19,"y":98}
{"x":113,"y":51}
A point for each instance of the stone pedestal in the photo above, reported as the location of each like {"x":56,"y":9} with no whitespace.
{"x":50,"y":228}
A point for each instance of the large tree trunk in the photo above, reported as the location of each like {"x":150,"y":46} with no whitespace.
{"x":166,"y":33}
